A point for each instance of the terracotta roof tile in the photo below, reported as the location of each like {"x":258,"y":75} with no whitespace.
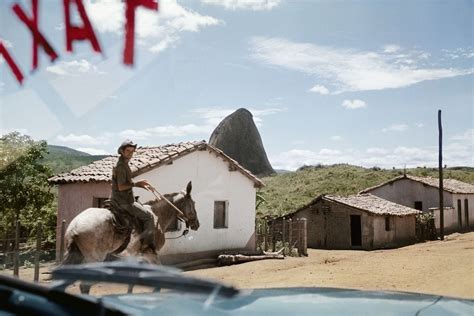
{"x":373,"y":204}
{"x":143,"y":160}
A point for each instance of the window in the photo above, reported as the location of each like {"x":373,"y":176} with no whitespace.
{"x":387,"y":223}
{"x":98,"y":202}
{"x":220,"y":214}
{"x":419,"y":205}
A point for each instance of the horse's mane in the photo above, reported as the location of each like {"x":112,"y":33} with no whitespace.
{"x":161,"y":203}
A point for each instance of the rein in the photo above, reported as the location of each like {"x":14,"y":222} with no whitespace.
{"x":160,"y":196}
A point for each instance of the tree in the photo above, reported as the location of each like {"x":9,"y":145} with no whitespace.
{"x":25,"y":194}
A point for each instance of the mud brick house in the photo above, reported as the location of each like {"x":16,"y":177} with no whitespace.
{"x":361,"y":221}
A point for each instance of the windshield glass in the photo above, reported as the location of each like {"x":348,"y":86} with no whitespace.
{"x":257,"y":143}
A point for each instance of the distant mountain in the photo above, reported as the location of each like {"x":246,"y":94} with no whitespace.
{"x":238,"y":136}
{"x":62,"y":159}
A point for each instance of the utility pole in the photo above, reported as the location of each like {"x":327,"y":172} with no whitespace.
{"x":440,"y":168}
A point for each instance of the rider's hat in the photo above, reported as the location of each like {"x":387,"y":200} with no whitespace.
{"x":126,"y":143}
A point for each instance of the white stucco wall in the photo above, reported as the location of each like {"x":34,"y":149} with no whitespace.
{"x":450,"y":221}
{"x":470,"y":207}
{"x":212,"y":181}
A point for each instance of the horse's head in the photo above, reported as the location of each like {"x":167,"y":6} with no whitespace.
{"x":186,"y":205}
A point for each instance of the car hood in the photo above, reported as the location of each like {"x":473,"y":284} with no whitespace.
{"x":292,"y":301}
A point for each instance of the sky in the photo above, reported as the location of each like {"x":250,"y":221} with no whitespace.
{"x":357,"y":82}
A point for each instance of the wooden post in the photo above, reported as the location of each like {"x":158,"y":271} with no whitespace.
{"x":61,"y":247}
{"x":298,"y":225}
{"x":6,"y":247}
{"x":273,"y":236}
{"x":38,"y":250}
{"x":304,"y":242}
{"x":440,"y":168}
{"x":290,"y":236}
{"x":16,"y":251}
{"x":283,"y":235}
{"x":265,"y":236}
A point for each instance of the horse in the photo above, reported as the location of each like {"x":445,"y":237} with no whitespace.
{"x":92,"y":237}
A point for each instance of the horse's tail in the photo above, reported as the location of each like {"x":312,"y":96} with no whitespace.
{"x":73,"y":254}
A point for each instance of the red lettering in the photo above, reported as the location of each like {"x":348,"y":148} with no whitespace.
{"x":74,"y":32}
{"x":38,"y":38}
{"x":131,"y":5}
{"x":11,"y":63}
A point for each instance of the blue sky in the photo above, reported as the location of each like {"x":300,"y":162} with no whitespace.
{"x":356,"y":82}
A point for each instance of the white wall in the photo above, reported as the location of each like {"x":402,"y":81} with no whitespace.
{"x":406,"y":192}
{"x":212,"y":181}
{"x":402,"y":231}
{"x":450,"y":219}
{"x":470,"y":202}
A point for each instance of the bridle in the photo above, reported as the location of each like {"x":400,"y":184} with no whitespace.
{"x":180,"y":215}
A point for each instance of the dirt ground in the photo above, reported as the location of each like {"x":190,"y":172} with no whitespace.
{"x":435,"y":267}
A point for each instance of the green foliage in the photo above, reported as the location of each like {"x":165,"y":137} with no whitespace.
{"x":25,"y":192}
{"x":284,"y":193}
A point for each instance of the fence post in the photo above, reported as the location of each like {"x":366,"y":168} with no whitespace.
{"x":290,"y":236}
{"x":265,"y":236}
{"x":61,"y":247}
{"x":283,"y":234}
{"x":6,"y":246}
{"x":16,"y":251}
{"x":300,"y":237}
{"x":304,"y":243}
{"x":38,"y":250}
{"x":273,"y":236}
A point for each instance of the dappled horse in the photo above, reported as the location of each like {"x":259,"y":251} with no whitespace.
{"x":92,"y":236}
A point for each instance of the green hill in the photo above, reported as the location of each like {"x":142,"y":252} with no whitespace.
{"x":286,"y":192}
{"x":62,"y":159}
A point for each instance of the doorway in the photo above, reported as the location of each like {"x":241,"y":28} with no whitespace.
{"x":356,"y":231}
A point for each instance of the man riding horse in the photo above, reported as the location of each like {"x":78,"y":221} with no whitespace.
{"x":122,"y":192}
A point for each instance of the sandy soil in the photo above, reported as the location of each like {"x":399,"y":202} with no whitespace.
{"x":436,"y":267}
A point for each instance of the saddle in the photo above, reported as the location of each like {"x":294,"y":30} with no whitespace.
{"x":123,"y":223}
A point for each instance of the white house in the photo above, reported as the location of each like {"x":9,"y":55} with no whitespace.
{"x":422,"y":193}
{"x":223,"y":190}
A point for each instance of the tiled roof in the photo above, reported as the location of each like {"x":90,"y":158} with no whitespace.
{"x":373,"y":204}
{"x":449,"y":185}
{"x":365,"y":202}
{"x":144,"y":159}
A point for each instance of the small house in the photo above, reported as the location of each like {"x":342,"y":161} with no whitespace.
{"x":223,"y":190}
{"x":362,"y":221}
{"x":422,"y":193}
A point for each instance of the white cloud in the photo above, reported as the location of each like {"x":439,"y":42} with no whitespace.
{"x":24,"y":131}
{"x":157,"y":29}
{"x":5,"y":42}
{"x":255,"y":5}
{"x":336,"y":138}
{"x":455,"y":154}
{"x":354,"y":104}
{"x":391,"y":48}
{"x":349,"y":69}
{"x":73,"y":139}
{"x":319,"y":89}
{"x":395,"y":128}
{"x":468,"y":135}
{"x":73,"y":68}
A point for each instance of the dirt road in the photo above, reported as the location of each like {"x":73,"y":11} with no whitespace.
{"x":436,"y":267}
